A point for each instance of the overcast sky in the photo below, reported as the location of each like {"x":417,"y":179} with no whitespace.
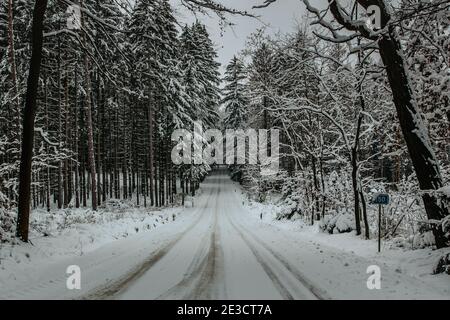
{"x":282,"y":16}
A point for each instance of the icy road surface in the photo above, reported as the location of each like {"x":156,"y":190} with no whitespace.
{"x":217,"y":250}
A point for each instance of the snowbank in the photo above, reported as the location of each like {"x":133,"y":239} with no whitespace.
{"x":63,"y":234}
{"x":418,"y":263}
{"x":341,"y":223}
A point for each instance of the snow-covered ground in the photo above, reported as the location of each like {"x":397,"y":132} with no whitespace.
{"x":220,"y":248}
{"x":69,"y":235}
{"x":417,"y":264}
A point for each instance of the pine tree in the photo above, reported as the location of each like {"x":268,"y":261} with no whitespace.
{"x":234,"y":98}
{"x":28,"y":121}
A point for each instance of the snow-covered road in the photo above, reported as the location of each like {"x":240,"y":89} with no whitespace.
{"x":217,"y":250}
{"x":218,"y":257}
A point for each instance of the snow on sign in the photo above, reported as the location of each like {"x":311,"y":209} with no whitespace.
{"x":380,"y":198}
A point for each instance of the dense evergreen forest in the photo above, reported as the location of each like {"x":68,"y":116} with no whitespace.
{"x":109,"y":97}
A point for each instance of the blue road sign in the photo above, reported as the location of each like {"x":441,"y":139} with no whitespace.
{"x":381,"y":198}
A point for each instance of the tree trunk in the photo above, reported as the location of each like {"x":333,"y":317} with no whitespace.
{"x":12,"y":61}
{"x":100,"y":124}
{"x":48,"y":186}
{"x":90,"y":130}
{"x":364,"y":214}
{"x":414,"y":131}
{"x":316,"y":188}
{"x":60,"y":162}
{"x":66,"y":142}
{"x":30,"y":109}
{"x":356,"y":190}
{"x":322,"y":179}
{"x":77,"y":164}
{"x":150,"y":156}
{"x":182,"y":188}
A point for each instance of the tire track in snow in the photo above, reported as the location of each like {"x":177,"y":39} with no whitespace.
{"x":110,"y":290}
{"x":196,"y":283}
{"x":205,"y":286}
{"x":272,"y":270}
{"x":316,"y":291}
{"x":214,"y":271}
{"x":198,"y":270}
{"x":268,"y":269}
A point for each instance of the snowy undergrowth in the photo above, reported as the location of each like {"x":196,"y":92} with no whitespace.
{"x":74,"y":232}
{"x":404,"y":221}
{"x":417,"y":262}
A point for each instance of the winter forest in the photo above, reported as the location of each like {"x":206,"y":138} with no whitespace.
{"x":91,"y":92}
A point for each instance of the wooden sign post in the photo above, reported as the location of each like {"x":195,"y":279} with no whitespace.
{"x":382,"y":200}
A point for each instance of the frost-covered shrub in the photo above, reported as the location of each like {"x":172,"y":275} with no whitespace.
{"x":404,"y":220}
{"x":7,"y":226}
{"x":189,"y":202}
{"x":258,"y":186}
{"x":423,"y":240}
{"x":340,"y":223}
{"x":116,"y":205}
{"x":339,"y":192}
{"x":446,"y":226}
{"x":443,"y":265}
{"x":292,"y":199}
{"x":43,"y":222}
{"x":110,"y":211}
{"x":400,"y":242}
{"x":445,"y":202}
{"x":7,"y":218}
